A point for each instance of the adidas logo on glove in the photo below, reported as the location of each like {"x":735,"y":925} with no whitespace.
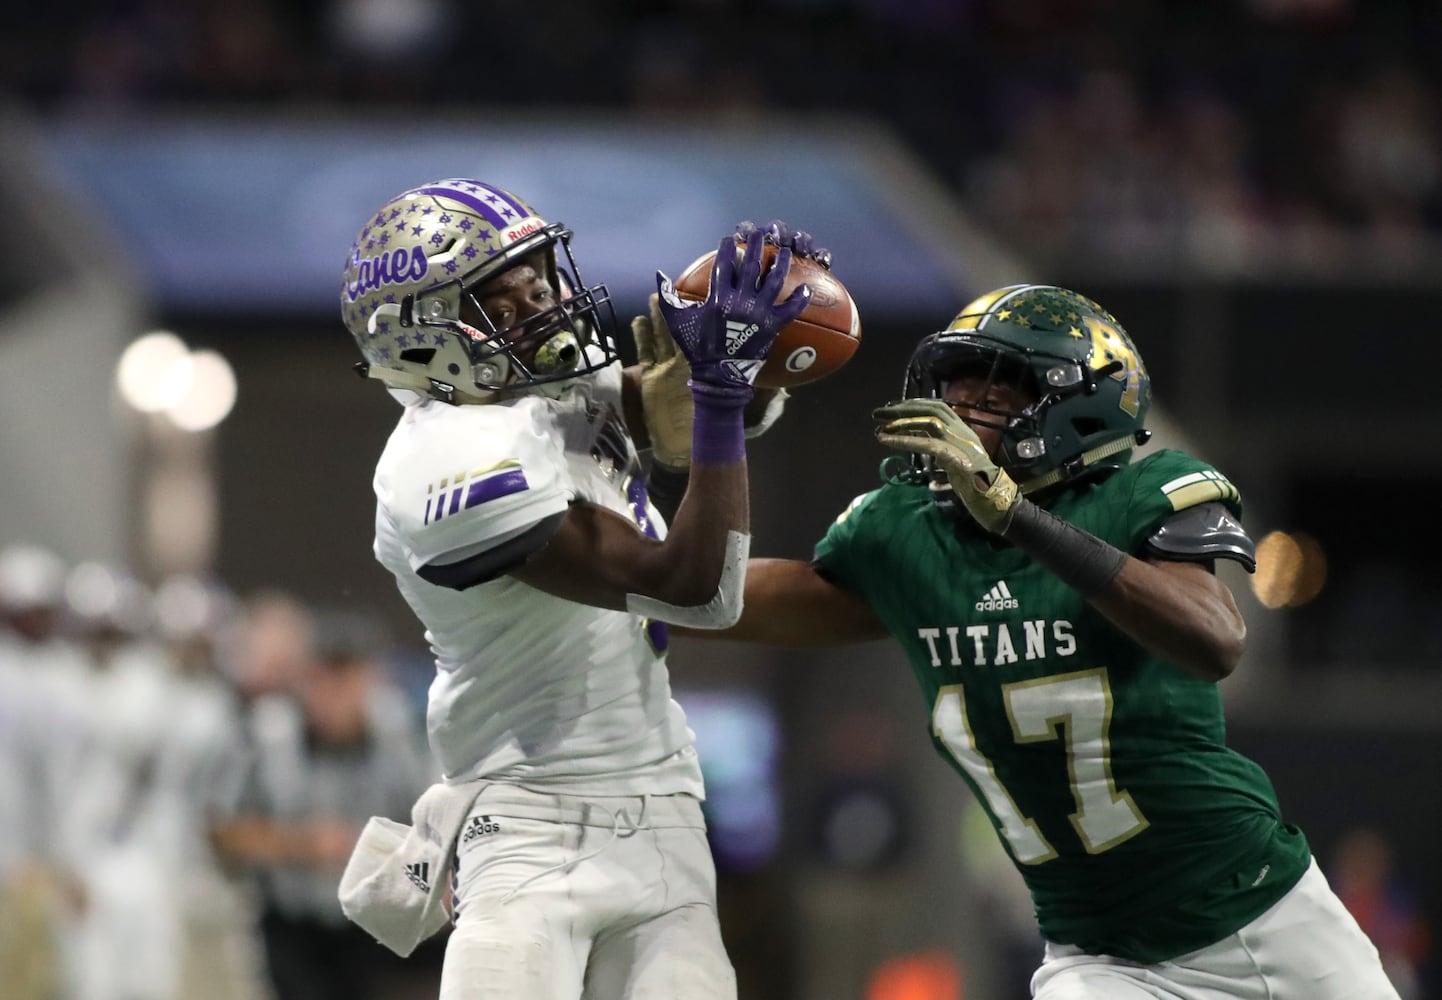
{"x":737,"y":333}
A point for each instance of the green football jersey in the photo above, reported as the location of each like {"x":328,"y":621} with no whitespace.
{"x":1104,"y":769}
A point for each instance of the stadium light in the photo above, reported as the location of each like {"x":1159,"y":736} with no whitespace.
{"x":1291,"y":570}
{"x":158,"y":373}
{"x":154,"y":372}
{"x":209,"y":397}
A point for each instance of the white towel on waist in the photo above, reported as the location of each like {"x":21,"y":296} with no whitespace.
{"x":394,"y":883}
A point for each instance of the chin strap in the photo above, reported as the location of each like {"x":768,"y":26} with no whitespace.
{"x":1082,"y":461}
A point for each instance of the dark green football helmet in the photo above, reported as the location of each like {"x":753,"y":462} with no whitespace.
{"x":1091,"y":389}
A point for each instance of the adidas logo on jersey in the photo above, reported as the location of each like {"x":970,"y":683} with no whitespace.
{"x":998,"y":598}
{"x":419,"y":873}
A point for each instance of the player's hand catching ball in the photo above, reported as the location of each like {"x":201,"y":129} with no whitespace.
{"x":931,"y":427}
{"x":665,"y":388}
{"x":665,"y":372}
{"x":727,"y":336}
{"x":798,"y":241}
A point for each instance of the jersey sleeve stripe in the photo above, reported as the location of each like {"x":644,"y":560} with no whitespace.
{"x":1199,"y":487}
{"x":493,"y":487}
{"x":501,"y":480}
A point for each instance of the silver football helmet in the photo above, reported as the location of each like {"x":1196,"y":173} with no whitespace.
{"x":409,"y":296}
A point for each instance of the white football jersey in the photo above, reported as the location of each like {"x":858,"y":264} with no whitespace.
{"x":529,"y":687}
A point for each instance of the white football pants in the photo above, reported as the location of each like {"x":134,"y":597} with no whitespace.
{"x":1306,"y":945}
{"x":602,"y":898}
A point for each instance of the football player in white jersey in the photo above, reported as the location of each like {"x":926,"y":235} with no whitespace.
{"x":513,"y":512}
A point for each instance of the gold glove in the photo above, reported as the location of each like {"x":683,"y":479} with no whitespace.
{"x":931,"y":427}
{"x":665,"y":395}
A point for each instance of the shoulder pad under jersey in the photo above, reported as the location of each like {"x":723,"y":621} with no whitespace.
{"x":1204,"y":532}
{"x":467,"y":478}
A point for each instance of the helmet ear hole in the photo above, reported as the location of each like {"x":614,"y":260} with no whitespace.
{"x":418,"y":355}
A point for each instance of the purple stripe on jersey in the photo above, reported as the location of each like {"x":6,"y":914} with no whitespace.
{"x":658,"y":634}
{"x":493,"y":487}
{"x":638,"y":498}
{"x":455,"y":500}
{"x":499,"y":209}
{"x":428,"y":512}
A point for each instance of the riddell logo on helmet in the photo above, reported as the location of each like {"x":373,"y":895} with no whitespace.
{"x":386,"y":268}
{"x":524,"y":229}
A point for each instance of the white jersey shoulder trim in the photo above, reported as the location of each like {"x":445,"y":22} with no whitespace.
{"x":457,"y":480}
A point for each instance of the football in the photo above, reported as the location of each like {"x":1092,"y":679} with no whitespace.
{"x":816,"y":343}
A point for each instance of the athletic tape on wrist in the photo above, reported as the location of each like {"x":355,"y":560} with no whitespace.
{"x":1079,"y":559}
{"x":718,"y":433}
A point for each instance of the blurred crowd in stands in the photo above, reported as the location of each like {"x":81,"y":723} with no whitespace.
{"x":1232,"y":133}
{"x":183,"y":774}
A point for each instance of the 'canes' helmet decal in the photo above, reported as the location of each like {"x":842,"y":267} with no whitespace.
{"x":408,"y":296}
{"x":1091,"y":388}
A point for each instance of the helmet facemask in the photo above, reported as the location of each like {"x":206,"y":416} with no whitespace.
{"x":941,"y":360}
{"x":553,"y":345}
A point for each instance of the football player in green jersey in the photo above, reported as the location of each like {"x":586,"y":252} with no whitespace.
{"x":1058,"y":605}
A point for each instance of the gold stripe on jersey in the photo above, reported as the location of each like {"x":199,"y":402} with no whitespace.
{"x":505,"y":463}
{"x":476,"y":473}
{"x":1199,"y":487}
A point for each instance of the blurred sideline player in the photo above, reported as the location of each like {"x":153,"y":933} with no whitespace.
{"x":42,"y":734}
{"x":1059,"y":608}
{"x":513,"y":514}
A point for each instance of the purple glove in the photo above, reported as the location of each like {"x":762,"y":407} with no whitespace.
{"x":798,"y":241}
{"x":726,"y":337}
